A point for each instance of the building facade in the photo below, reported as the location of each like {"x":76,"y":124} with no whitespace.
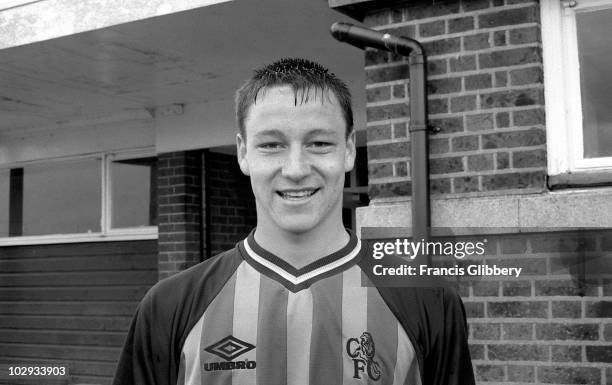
{"x":117,"y":167}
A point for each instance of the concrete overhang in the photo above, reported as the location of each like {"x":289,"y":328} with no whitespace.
{"x":179,"y":69}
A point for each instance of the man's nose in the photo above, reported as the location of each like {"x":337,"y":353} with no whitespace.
{"x":296,"y":165}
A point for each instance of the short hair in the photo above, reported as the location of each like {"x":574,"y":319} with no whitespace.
{"x":302,"y":76}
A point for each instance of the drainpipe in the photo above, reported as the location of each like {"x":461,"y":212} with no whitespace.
{"x":365,"y":37}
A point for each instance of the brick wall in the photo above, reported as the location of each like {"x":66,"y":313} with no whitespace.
{"x":180,"y":211}
{"x":485,"y":88}
{"x":553,"y":324}
{"x":231,"y":202}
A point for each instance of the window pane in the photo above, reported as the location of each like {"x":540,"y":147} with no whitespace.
{"x":62,"y":197}
{"x":4,"y":202}
{"x":595,"y":55}
{"x":134,"y":192}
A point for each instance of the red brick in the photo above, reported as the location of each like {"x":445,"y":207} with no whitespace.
{"x":502,"y":119}
{"x":516,"y":288}
{"x":485,"y":331}
{"x":533,"y":158}
{"x":399,"y":130}
{"x":514,"y":181}
{"x":387,"y":74}
{"x":608,"y":332}
{"x":564,"y":353}
{"x":473,"y":5}
{"x":463,"y":63}
{"x":464,"y":143}
{"x":463,"y":103}
{"x":531,"y":75}
{"x":566,"y":309}
{"x":531,"y":137}
{"x":437,"y":106}
{"x":510,"y":57}
{"x":556,"y":331}
{"x":444,"y":86}
{"x":401,"y":168}
{"x":568,"y":375}
{"x":512,"y":98}
{"x":513,"y":245}
{"x":440,"y":186}
{"x":380,"y":132}
{"x":436,"y":67}
{"x":442,"y":46}
{"x":508,"y":17}
{"x":380,"y":170}
{"x":599,"y":309}
{"x":399,"y":91}
{"x":389,"y":150}
{"x":489,"y":373}
{"x":501,"y":79}
{"x":525,"y":35}
{"x":465,"y":184}
{"x":445,"y":165}
{"x":499,"y":38}
{"x":438,"y":146}
{"x":478,"y":82}
{"x":432,"y":28}
{"x":521,"y":373}
{"x":377,"y":94}
{"x":474,"y":309}
{"x":529,"y":117}
{"x":484,"y":288}
{"x":460,"y":24}
{"x":448,"y":125}
{"x":476,"y":351}
{"x":518,"y":352}
{"x":390,"y":111}
{"x":479,"y":122}
{"x":480,"y":162}
{"x":442,"y":8}
{"x":476,"y":42}
{"x":517,"y":331}
{"x":524,"y":309}
{"x":386,"y":190}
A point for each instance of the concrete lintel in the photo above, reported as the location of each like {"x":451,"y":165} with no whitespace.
{"x":508,"y":214}
{"x":48,"y":19}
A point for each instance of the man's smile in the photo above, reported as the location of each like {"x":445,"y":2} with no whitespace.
{"x":297,"y":194}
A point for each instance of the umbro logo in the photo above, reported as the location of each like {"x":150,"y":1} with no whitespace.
{"x":229,"y":348}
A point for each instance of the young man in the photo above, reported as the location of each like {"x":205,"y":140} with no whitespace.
{"x":287,"y":305}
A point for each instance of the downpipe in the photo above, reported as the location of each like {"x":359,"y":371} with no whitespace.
{"x":419,"y":146}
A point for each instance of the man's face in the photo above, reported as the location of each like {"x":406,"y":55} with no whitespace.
{"x":296,"y":156}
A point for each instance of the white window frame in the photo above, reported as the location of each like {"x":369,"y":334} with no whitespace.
{"x":562,"y":87}
{"x":106,"y":232}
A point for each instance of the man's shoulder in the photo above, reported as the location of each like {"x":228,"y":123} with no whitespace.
{"x":200,"y":279}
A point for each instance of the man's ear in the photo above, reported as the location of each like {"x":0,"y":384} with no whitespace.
{"x":350,"y":152}
{"x":241,"y":153}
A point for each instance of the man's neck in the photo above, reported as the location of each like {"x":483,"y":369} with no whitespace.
{"x":302,"y":249}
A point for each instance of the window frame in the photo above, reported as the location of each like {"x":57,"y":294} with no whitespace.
{"x":564,"y":125}
{"x":106,"y":232}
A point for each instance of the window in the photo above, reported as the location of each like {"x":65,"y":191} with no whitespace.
{"x":106,"y":196}
{"x":134,"y":192}
{"x":578,"y":83}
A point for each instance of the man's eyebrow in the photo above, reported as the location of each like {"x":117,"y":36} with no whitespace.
{"x":269,"y":132}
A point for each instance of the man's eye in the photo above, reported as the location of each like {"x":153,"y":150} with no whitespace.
{"x":269,"y":146}
{"x":320,"y":144}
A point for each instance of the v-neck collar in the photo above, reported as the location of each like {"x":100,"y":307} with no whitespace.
{"x":297,"y":279}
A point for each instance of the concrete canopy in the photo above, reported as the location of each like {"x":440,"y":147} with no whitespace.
{"x":180,"y":70}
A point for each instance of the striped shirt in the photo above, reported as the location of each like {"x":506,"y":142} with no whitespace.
{"x":248,"y":317}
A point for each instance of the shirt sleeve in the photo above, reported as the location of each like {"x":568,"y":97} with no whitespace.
{"x":448,"y":361}
{"x":144,"y":358}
